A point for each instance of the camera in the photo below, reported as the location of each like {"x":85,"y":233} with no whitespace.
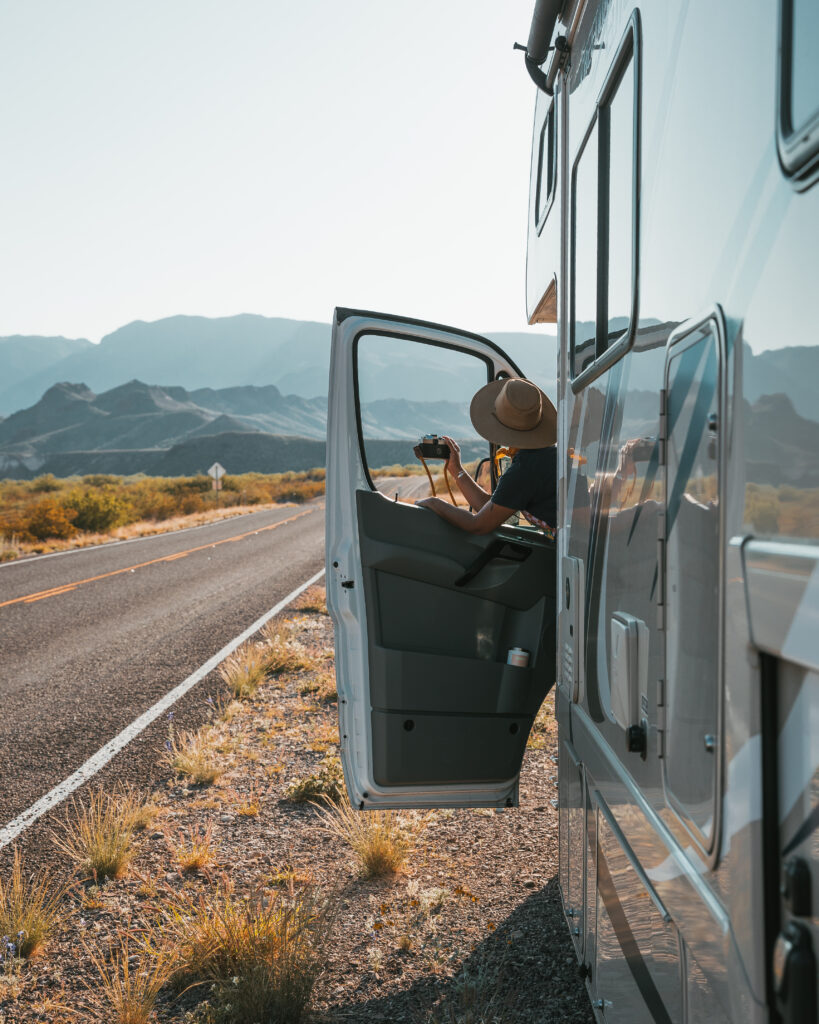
{"x":431,"y":447}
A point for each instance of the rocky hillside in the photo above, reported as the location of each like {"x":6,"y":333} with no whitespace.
{"x":139,"y":427}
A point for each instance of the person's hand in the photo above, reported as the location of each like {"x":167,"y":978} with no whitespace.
{"x":424,"y":502}
{"x":453,"y":463}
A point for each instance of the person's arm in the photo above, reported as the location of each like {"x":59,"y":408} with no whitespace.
{"x":476,"y":497}
{"x":487,"y":520}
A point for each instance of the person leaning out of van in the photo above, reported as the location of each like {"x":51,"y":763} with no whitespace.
{"x":514,"y":413}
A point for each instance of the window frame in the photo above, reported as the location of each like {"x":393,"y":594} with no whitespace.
{"x":547,"y":145}
{"x":399,"y":335}
{"x":680,"y":339}
{"x":798,"y":147}
{"x":629,"y":52}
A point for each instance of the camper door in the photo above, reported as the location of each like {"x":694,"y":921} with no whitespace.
{"x":430,"y":712}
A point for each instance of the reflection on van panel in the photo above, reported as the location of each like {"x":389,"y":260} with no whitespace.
{"x":673,"y":218}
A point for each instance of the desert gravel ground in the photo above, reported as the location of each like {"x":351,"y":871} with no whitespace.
{"x":469,"y":932}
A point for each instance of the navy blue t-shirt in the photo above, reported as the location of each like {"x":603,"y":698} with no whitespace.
{"x":530,"y":484}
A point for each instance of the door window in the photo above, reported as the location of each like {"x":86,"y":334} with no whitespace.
{"x":406,"y":390}
{"x":693,"y":577}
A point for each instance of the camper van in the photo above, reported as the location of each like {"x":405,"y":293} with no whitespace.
{"x":672,"y":240}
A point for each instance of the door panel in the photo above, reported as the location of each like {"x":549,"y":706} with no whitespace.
{"x":693,"y":542}
{"x":430,"y":714}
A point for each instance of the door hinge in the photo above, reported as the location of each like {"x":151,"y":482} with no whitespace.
{"x":661,"y":717}
{"x":348,"y":584}
{"x":663,"y":426}
{"x":660,"y":592}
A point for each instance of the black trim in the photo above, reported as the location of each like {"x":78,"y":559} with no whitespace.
{"x":797,"y":146}
{"x":772,"y":910}
{"x":370,"y":331}
{"x":548,"y":136}
{"x":342,"y":314}
{"x":573,"y":230}
{"x":625,"y":937}
{"x":628,"y":55}
{"x":807,"y":828}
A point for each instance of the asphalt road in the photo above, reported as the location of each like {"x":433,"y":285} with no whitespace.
{"x":92,"y":638}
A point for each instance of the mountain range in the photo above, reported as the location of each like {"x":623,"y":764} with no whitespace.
{"x":198,"y":352}
{"x":211,"y":411}
{"x":138,"y":421}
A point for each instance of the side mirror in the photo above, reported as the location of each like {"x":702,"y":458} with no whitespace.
{"x":629,"y":679}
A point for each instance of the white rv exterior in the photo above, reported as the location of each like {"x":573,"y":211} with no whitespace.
{"x":673,"y":225}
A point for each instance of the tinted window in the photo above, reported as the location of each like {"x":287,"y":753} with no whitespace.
{"x":619,"y":121}
{"x":604,"y":217}
{"x":804,"y":61}
{"x":547,"y":166}
{"x":584,"y":259}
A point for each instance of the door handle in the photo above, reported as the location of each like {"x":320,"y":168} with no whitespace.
{"x":496,"y":549}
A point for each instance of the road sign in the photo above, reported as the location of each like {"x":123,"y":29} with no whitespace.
{"x":217,"y":471}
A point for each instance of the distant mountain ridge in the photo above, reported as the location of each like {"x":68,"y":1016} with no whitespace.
{"x":70,"y":420}
{"x":198,"y":352}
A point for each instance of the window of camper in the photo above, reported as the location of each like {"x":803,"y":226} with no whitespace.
{"x":617,"y":127}
{"x":605,"y":214}
{"x":585,"y":254}
{"x":547,"y":168}
{"x":798,"y":129}
{"x":407,"y":389}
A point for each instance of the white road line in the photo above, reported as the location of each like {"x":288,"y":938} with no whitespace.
{"x":94,"y":763}
{"x":27,"y":559}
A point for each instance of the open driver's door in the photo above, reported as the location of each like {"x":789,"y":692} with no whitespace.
{"x":430,"y":713}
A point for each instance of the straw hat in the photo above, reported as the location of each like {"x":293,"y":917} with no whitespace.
{"x":514,"y":412}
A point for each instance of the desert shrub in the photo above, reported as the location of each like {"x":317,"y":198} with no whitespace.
{"x":47,"y":518}
{"x":325,"y":785}
{"x":99,"y":510}
{"x":188,"y":485}
{"x":45,"y":484}
{"x":152,"y":503}
{"x":101,"y":480}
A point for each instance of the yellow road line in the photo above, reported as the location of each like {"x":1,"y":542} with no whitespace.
{"x":67,"y":587}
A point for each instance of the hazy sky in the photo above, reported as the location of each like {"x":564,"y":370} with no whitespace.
{"x":225,"y":156}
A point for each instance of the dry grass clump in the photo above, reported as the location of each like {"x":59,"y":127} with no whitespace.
{"x":193,"y":755}
{"x":326,"y":785}
{"x":29,"y":909}
{"x":262,"y":953}
{"x":379,"y":839}
{"x":196,"y":852}
{"x":9,"y":548}
{"x":98,"y":833}
{"x":283,"y":652}
{"x":244,"y":670}
{"x":130,"y":980}
{"x":313,"y":600}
